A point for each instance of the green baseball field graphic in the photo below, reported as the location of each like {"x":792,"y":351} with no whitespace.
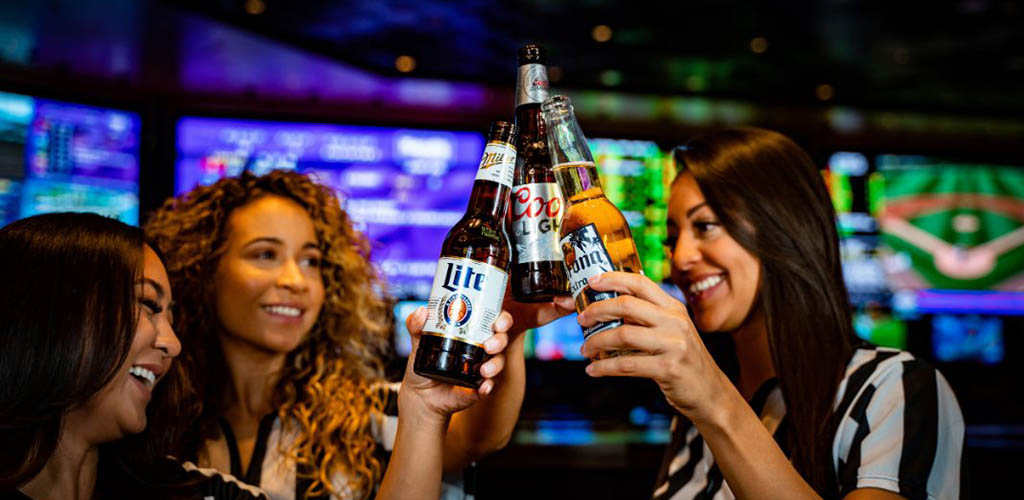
{"x":951,"y":226}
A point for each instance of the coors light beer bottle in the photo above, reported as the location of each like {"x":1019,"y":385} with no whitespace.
{"x":469,"y":284}
{"x":594,"y":236}
{"x":537,"y":272}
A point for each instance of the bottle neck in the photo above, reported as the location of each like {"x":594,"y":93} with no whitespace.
{"x":489,"y":199}
{"x":529,"y":121}
{"x":578,"y":181}
{"x":531,"y":84}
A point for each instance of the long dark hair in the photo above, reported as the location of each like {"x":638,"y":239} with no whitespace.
{"x":68,"y":310}
{"x":771,"y":199}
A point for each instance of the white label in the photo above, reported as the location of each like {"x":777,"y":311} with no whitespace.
{"x":465,"y":300}
{"x":586,"y":257}
{"x":498,"y":163}
{"x":536,"y":217}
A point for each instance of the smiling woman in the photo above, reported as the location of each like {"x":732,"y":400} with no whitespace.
{"x":86,"y":351}
{"x":285,"y":329}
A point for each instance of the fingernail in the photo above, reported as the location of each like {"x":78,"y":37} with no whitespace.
{"x":502,"y":324}
{"x":490,"y":345}
{"x":488,"y":387}
{"x":420,"y":311}
{"x":595,"y":279}
{"x":486,"y":370}
{"x":590,"y":369}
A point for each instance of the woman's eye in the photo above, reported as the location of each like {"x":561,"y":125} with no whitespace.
{"x":153,"y":306}
{"x":670,"y":241}
{"x":705,"y":226}
{"x":312,"y":261}
{"x":265,"y":255}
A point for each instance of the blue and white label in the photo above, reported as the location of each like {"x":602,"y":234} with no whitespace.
{"x":465,"y":300}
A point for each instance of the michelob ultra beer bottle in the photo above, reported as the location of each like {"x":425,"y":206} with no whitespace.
{"x":536,"y":210}
{"x":594,"y":235}
{"x":469,"y":284}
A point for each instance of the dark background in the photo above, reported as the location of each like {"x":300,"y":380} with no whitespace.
{"x":939,"y":78}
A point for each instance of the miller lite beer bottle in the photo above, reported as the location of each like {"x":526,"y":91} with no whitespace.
{"x":536,"y":211}
{"x":469,"y":284}
{"x":594,"y":235}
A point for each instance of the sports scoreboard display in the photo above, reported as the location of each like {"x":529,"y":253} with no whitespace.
{"x":60,"y":156}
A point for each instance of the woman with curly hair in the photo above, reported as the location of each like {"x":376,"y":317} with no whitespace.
{"x":283,"y":326}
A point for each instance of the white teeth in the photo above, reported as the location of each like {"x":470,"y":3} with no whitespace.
{"x":292,"y":312}
{"x":141,"y":372}
{"x":705,"y":283}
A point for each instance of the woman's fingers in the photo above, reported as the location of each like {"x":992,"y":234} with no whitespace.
{"x":415,"y":321}
{"x":624,"y":338}
{"x":503,"y":323}
{"x":496,"y":343}
{"x":634,"y":284}
{"x":637,"y":311}
{"x":493,"y":366}
{"x":627,"y":366}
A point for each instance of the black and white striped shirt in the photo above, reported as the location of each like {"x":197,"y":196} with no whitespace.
{"x":901,"y":431}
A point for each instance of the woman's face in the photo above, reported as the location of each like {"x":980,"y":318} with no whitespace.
{"x":719,"y":277}
{"x":269,"y":290}
{"x":120,"y":407}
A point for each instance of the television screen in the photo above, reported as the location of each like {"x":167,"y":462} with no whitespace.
{"x":59,"y":156}
{"x":403,"y":188}
{"x":967,"y":338}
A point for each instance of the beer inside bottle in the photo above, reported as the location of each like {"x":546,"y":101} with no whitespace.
{"x":537,"y":205}
{"x":469,"y":284}
{"x":595,"y":237}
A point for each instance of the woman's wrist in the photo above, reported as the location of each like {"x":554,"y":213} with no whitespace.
{"x":414,"y":409}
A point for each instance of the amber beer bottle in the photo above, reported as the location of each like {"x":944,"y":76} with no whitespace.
{"x":469,"y":284}
{"x":536,"y":211}
{"x":594,"y":235}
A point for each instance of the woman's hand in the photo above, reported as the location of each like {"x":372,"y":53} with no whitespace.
{"x":441,"y":399}
{"x":669,"y":350}
{"x":532,"y":315}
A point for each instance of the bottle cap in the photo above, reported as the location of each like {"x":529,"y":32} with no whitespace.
{"x":532,"y":54}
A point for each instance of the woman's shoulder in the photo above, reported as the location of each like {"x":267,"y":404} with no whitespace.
{"x":892,"y":377}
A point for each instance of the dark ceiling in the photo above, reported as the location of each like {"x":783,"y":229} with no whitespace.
{"x":961,"y":56}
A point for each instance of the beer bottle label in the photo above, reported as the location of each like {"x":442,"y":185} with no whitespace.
{"x":498,"y":163}
{"x":532,"y":84}
{"x":536,"y":216}
{"x":585,"y":256}
{"x":465,"y":300}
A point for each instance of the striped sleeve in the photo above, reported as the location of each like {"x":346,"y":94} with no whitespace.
{"x":903,"y":433}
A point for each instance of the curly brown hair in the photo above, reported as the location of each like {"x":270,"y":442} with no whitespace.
{"x":328,"y":389}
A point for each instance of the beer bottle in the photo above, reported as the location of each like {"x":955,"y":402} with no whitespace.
{"x":594,"y":236}
{"x":537,"y":272}
{"x":469,"y":283}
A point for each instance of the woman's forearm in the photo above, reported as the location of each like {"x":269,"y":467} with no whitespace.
{"x":747,"y":454}
{"x":488,"y":425}
{"x":414,"y":471}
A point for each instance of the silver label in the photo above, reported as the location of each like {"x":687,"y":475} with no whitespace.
{"x":532,"y":86}
{"x":536,"y":216}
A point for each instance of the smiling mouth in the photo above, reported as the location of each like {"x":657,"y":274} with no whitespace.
{"x":147,"y":377}
{"x":698,"y":289}
{"x":286,"y":311}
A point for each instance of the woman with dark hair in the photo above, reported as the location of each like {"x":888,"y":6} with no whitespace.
{"x":86,"y":350}
{"x":285,"y":328}
{"x":809,"y":411}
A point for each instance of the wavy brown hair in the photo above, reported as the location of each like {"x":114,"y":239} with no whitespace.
{"x":327,"y":387}
{"x":772,"y":200}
